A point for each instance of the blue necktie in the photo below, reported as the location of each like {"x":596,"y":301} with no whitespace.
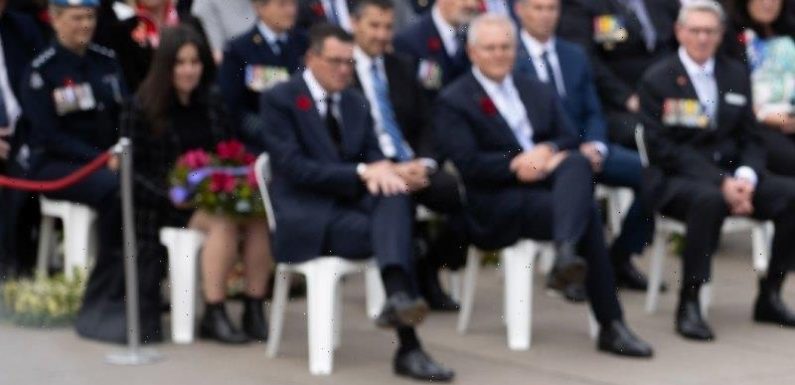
{"x":551,"y":78}
{"x":388,"y":120}
{"x":4,"y":122}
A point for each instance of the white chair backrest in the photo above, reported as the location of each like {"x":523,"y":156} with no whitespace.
{"x":640,"y":141}
{"x":262,"y":170}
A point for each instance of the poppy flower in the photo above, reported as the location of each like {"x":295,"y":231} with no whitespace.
{"x":303,"y":102}
{"x":488,"y":106}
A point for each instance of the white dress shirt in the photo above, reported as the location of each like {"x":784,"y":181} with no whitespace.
{"x":509,"y":105}
{"x":536,"y":49}
{"x":319,"y":96}
{"x":343,"y":13}
{"x":271,"y":37}
{"x":13,"y":109}
{"x":446,"y":32}
{"x":703,"y":79}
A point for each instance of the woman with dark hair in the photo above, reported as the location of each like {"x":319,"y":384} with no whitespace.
{"x":176,"y":110}
{"x":761,"y":35}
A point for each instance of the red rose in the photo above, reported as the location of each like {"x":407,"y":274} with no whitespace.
{"x":248,"y":158}
{"x":317,"y":9}
{"x":303,"y":102}
{"x":488,"y":106}
{"x":230,"y":150}
{"x":221,"y":181}
{"x":434,"y":44}
{"x":251,"y":177}
{"x":195,"y":159}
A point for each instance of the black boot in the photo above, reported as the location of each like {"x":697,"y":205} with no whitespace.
{"x":216,"y":325}
{"x":689,"y":323}
{"x":770,"y":308}
{"x":615,"y":337}
{"x":569,"y":268}
{"x":255,"y":325}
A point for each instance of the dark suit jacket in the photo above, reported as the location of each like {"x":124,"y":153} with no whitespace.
{"x":21,"y":42}
{"x":581,"y":100}
{"x":422,"y":42}
{"x":703,"y":154}
{"x":481,"y":144}
{"x":619,"y":67}
{"x":251,"y":48}
{"x":311,"y":12}
{"x":309,"y":175}
{"x":409,"y":103}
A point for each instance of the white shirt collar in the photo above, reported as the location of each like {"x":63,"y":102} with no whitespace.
{"x":319,"y":94}
{"x":365,"y":61}
{"x":534,"y":47}
{"x":270,"y":36}
{"x":694,"y":68}
{"x":446,"y":31}
{"x":491,"y":86}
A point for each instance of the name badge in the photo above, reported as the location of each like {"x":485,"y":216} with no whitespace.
{"x":429,"y":74}
{"x":260,"y":77}
{"x":735,"y":99}
{"x":684,"y":113}
{"x":74,"y":98}
{"x":609,"y":30}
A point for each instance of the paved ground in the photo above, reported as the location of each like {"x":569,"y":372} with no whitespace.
{"x":562,"y":354}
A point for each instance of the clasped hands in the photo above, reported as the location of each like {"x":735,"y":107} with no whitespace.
{"x":388,"y":178}
{"x":739,"y":194}
{"x":536,"y":164}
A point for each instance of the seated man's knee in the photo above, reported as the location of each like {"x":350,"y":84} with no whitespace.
{"x":709,"y":201}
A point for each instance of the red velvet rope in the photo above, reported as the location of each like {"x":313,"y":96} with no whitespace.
{"x":69,"y":180}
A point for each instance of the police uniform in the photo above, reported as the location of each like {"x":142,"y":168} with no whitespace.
{"x":253,"y":63}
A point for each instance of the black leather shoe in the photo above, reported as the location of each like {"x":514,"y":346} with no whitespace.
{"x":442,"y":302}
{"x":215,"y":325}
{"x":255,"y":325}
{"x":689,"y":323}
{"x":401,"y":310}
{"x":629,"y":277}
{"x":432,"y":291}
{"x":418,"y":365}
{"x":576,"y":293}
{"x":770,"y":308}
{"x":616,"y":338}
{"x":568,"y":269}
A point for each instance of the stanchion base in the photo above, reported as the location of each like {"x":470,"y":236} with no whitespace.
{"x":133,"y":358}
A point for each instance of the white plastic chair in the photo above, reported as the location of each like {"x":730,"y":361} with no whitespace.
{"x":619,"y":199}
{"x":79,"y":231}
{"x":761,"y":237}
{"x":517,"y":263}
{"x":323,"y":292}
{"x":183,"y":247}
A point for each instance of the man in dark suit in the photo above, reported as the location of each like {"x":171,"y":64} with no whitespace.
{"x":402,"y":127}
{"x":709,"y":163}
{"x":565,"y":67}
{"x":516,"y":151}
{"x":259,"y":59}
{"x":337,"y":12}
{"x":436,"y":41}
{"x":335,"y":194}
{"x":20,"y":40}
{"x":623,"y":38}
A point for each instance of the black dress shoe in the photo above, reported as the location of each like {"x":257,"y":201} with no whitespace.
{"x":770,"y":308}
{"x":576,"y":293}
{"x":568,"y":268}
{"x":616,"y":338}
{"x":432,"y":291}
{"x":255,"y":325}
{"x":215,"y":325}
{"x":418,"y":365}
{"x":629,"y":277}
{"x":689,"y":323}
{"x":442,"y":303}
{"x":401,"y":310}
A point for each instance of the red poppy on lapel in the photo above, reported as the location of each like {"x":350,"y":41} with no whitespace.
{"x":488,"y":106}
{"x":303,"y":102}
{"x":317,"y":9}
{"x":741,"y":38}
{"x":434,"y":44}
{"x":681,"y":80}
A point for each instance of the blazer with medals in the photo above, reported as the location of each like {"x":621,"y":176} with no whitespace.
{"x":310,"y":174}
{"x":682,"y":142}
{"x":472,"y":133}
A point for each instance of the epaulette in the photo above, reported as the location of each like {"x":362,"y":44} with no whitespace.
{"x":102,"y":50}
{"x":43,"y":57}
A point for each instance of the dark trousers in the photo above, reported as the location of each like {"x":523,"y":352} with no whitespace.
{"x":703,"y":209}
{"x":380,"y":227}
{"x":780,"y":151}
{"x":448,"y":246}
{"x":562,"y":209}
{"x":622,"y":168}
{"x":621,"y":128}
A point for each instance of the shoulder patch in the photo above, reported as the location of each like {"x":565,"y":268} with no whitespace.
{"x":102,"y":50}
{"x":43,"y":57}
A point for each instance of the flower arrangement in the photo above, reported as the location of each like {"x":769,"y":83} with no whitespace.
{"x":222,"y":182}
{"x":44,"y":301}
